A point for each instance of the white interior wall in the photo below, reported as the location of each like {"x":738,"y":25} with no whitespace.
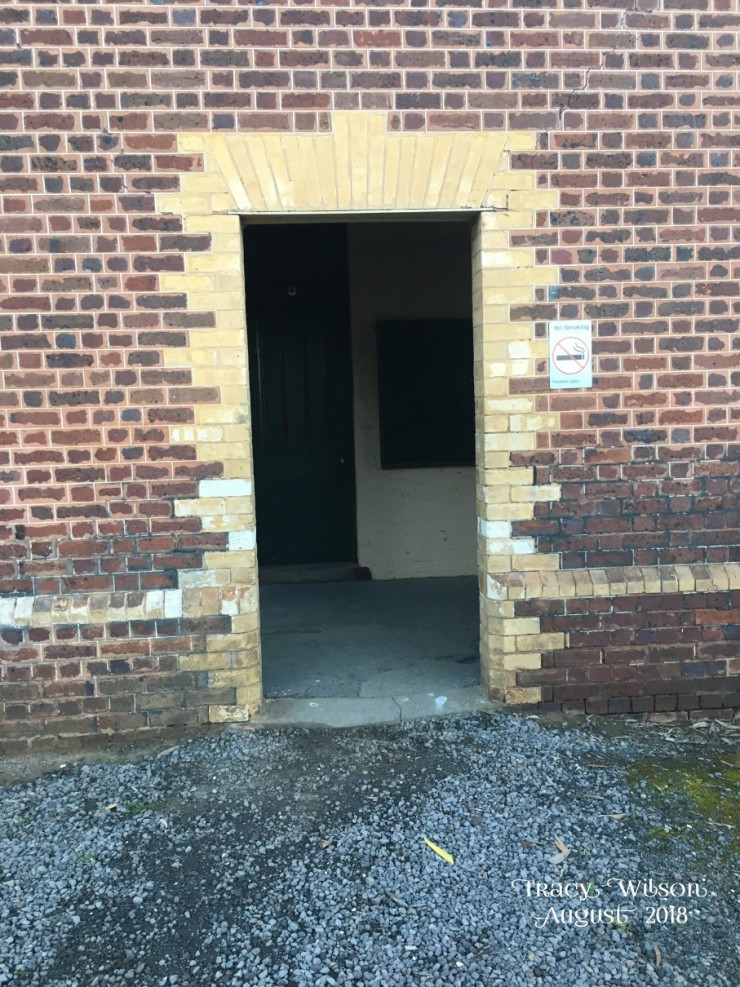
{"x":410,"y":522}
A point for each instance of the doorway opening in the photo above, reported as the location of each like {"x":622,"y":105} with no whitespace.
{"x":361,"y":377}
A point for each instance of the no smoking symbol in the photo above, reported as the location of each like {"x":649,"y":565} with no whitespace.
{"x":571,"y":355}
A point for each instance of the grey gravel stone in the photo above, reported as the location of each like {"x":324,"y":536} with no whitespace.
{"x":297,"y":857}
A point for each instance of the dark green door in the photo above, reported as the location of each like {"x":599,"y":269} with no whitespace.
{"x":301,"y":385}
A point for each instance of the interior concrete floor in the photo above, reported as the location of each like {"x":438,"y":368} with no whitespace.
{"x":393,"y":639}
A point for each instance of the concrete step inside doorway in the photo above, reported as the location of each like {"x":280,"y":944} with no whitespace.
{"x":370,"y":651}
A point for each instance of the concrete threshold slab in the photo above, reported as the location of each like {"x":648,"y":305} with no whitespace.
{"x":467,"y":699}
{"x":356,"y":712}
{"x":327,"y":712}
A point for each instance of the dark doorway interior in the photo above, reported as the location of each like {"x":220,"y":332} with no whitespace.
{"x":361,"y":372}
{"x":301,"y":385}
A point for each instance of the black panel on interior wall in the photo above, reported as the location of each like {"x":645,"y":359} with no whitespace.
{"x":425,"y":393}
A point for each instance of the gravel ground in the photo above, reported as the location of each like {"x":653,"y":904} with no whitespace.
{"x":297,"y":857}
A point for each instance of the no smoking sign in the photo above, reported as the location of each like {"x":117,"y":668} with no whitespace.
{"x":571,"y":354}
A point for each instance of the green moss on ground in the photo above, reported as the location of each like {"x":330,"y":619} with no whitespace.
{"x":699,"y":804}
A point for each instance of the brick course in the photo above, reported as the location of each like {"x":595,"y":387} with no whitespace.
{"x":635,"y":113}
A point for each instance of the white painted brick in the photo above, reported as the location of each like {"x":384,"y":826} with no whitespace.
{"x":509,"y":546}
{"x":522,"y":546}
{"x":173,"y":603}
{"x":495,"y":590}
{"x":23,"y":610}
{"x":494,"y":529}
{"x":7,"y":609}
{"x":225,"y":488}
{"x":242,"y":540}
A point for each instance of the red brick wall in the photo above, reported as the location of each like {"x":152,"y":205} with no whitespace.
{"x":637,"y":114}
{"x":666,"y":653}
